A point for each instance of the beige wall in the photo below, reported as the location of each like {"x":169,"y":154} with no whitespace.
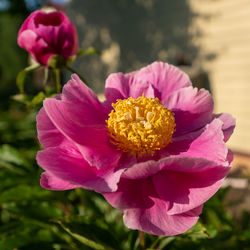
{"x":225,"y":37}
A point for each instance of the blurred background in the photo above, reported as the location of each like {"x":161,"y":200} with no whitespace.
{"x":209,"y":39}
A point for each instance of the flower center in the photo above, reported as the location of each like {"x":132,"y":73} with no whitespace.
{"x":140,"y":126}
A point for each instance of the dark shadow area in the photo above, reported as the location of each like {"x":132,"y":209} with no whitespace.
{"x":12,"y":58}
{"x":131,"y":34}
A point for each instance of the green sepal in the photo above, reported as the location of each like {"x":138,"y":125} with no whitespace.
{"x":58,"y":62}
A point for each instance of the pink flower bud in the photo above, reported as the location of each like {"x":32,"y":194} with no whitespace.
{"x":45,"y":35}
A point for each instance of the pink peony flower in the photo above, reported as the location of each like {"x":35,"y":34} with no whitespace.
{"x":45,"y":35}
{"x":154,"y":148}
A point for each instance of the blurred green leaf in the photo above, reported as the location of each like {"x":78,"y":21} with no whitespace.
{"x":23,"y":193}
{"x":84,"y":240}
{"x":198,"y":231}
{"x":11,"y":155}
{"x":166,"y":241}
{"x":88,"y":51}
{"x":22,"y":75}
{"x":22,"y":98}
{"x":37,"y":99}
{"x":26,"y":235}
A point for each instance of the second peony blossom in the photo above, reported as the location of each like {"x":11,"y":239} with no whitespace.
{"x":45,"y":35}
{"x":154,"y":148}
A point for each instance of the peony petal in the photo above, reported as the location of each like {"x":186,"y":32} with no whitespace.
{"x":61,"y":40}
{"x":82,"y":104}
{"x":48,"y":134}
{"x":132,"y":194}
{"x":228,"y":124}
{"x":143,"y":210}
{"x":70,"y":42}
{"x":164,"y":77}
{"x":50,"y":35}
{"x":27,"y":39}
{"x":35,"y":45}
{"x":155,"y":220}
{"x":138,"y":89}
{"x":122,"y":86}
{"x":51,"y":182}
{"x":156,"y":80}
{"x":92,"y":141}
{"x":191,"y":186}
{"x":182,"y":164}
{"x":203,"y":146}
{"x":117,"y":87}
{"x":193,"y":109}
{"x":54,"y":18}
{"x":68,"y":165}
{"x":183,"y":183}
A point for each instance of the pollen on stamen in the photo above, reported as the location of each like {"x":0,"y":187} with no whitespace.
{"x":140,"y":126}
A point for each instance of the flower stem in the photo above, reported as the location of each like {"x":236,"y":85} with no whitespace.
{"x":46,"y":75}
{"x":57,"y":80}
{"x":141,"y":237}
{"x":80,"y":76}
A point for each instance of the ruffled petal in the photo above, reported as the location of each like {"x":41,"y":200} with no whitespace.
{"x":144,"y":210}
{"x":68,"y":165}
{"x":82,"y":104}
{"x":92,"y":141}
{"x":51,"y":182}
{"x":155,"y":220}
{"x":183,"y":183}
{"x":186,"y":184}
{"x":192,"y":108}
{"x":48,"y":134}
{"x":156,"y":80}
{"x":147,"y":169}
{"x":117,"y":87}
{"x":164,"y":77}
{"x":122,"y":86}
{"x":201,"y":144}
{"x":228,"y":124}
{"x":132,"y":194}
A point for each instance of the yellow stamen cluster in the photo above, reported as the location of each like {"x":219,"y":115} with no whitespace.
{"x":140,"y":126}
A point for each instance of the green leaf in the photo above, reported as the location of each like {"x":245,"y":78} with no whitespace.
{"x":198,"y":231}
{"x":38,"y":211}
{"x":11,"y":155}
{"x":22,"y":98}
{"x":27,"y":236}
{"x":22,"y":192}
{"x":88,"y":51}
{"x":38,"y":99}
{"x":166,"y":241}
{"x":22,"y":75}
{"x":84,"y":240}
